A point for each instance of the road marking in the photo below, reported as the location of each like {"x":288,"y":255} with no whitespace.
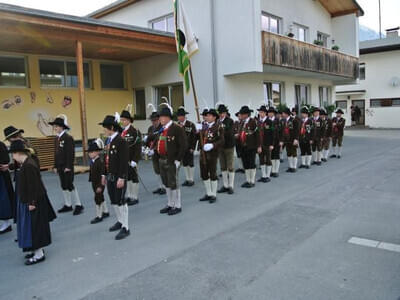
{"x":374,"y":244}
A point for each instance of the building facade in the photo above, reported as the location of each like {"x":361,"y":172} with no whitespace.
{"x":377,"y":92}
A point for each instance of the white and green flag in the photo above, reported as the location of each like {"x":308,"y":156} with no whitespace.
{"x":186,"y":43}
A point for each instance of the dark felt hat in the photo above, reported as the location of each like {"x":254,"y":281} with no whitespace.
{"x":222,"y":108}
{"x":126,"y":115}
{"x":93,"y":146}
{"x":286,"y":111}
{"x":181,"y":112}
{"x":263,"y":108}
{"x":213,"y":112}
{"x":165,"y":112}
{"x":110,"y":121}
{"x":304,"y":110}
{"x":295,"y":109}
{"x":339,"y":111}
{"x":245,"y":110}
{"x":315,"y":108}
{"x":205,"y":111}
{"x":272,"y":109}
{"x":59,"y":122}
{"x":154,"y":116}
{"x":323,"y":112}
{"x":18,"y":146}
{"x":11,"y":131}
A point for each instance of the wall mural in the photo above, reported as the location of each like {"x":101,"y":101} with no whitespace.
{"x":33,"y":97}
{"x":10,"y":103}
{"x":43,"y":126}
{"x":49,"y":98}
{"x":66,"y":101}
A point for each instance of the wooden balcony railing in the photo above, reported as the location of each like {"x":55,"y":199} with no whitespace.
{"x":287,"y":52}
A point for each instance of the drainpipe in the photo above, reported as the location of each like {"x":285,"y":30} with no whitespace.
{"x":213,"y":55}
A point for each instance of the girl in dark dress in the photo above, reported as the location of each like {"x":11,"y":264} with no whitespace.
{"x":34,"y":211}
{"x":7,"y":205}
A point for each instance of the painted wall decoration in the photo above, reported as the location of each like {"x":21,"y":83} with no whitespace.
{"x":33,"y":97}
{"x":43,"y":126}
{"x":49,"y":98}
{"x":10,"y":103}
{"x":18,"y":100}
{"x":66,"y":101}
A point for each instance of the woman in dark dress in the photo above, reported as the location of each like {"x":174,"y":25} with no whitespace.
{"x":7,"y":205}
{"x":34,"y":211}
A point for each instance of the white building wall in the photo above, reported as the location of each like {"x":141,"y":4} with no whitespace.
{"x":345,"y":33}
{"x":380,"y":69}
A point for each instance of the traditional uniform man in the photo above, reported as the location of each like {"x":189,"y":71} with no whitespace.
{"x":316,"y":136}
{"x":116,"y":174}
{"x":151,"y":139}
{"x":236,"y":127}
{"x":191,"y":138}
{"x":64,"y":158}
{"x":275,"y":153}
{"x":7,"y":199}
{"x":213,"y":140}
{"x":170,"y":150}
{"x":267,"y":140}
{"x":305,"y":138}
{"x":226,"y":154}
{"x":249,"y":140}
{"x":134,"y":139}
{"x":326,"y":139}
{"x":338,"y":124}
{"x":290,"y":138}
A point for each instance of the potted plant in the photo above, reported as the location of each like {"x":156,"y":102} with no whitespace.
{"x":290,"y":33}
{"x":318,"y":43}
{"x":335,"y":48}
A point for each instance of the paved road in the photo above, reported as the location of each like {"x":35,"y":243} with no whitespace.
{"x":287,"y":239}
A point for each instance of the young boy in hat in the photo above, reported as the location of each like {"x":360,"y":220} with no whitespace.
{"x":226,"y":153}
{"x":34,"y":211}
{"x":316,"y":136}
{"x":275,"y":152}
{"x":305,"y":138}
{"x":326,"y":139}
{"x":64,"y":158}
{"x":338,"y":124}
{"x":7,"y":200}
{"x":290,"y":138}
{"x":134,"y":139}
{"x":97,"y":169}
{"x":266,"y":131}
{"x":249,"y":140}
{"x":191,"y":138}
{"x":116,"y":174}
{"x":170,"y":150}
{"x":213,"y":140}
{"x":150,"y":141}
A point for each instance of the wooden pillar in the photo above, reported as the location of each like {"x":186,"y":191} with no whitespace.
{"x":82,"y":101}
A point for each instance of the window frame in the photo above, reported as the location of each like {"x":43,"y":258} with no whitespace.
{"x":271,"y":16}
{"x":362,"y":66}
{"x":65,"y":61}
{"x":309,"y":96}
{"x":325,"y":39}
{"x":124,"y":72}
{"x":281,"y":90}
{"x":169,"y":86}
{"x":384,"y":99}
{"x":140,"y":117}
{"x":340,"y":101}
{"x":162,"y":18}
{"x":306,"y":29}
{"x":26,"y":69}
{"x":329,"y":94}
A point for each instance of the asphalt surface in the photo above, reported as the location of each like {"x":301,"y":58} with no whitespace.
{"x":287,"y":239}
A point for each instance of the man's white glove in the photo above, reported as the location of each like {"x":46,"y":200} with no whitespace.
{"x":151,"y":152}
{"x":199,"y":126}
{"x":208,"y":147}
{"x":133,"y":164}
{"x":177,"y":164}
{"x":145,"y":138}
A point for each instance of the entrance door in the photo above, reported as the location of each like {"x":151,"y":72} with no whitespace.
{"x":359,"y":110}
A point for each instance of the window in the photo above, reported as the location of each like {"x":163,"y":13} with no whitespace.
{"x":303,"y":94}
{"x":324,"y":96}
{"x":58,"y":73}
{"x":341,"y":104}
{"x":273,"y":93}
{"x":112,"y":76}
{"x":140,"y":111}
{"x":301,"y":32}
{"x":322,"y":37}
{"x":13,"y":71}
{"x":385,"y":102}
{"x":165,"y":23}
{"x":270,"y":23}
{"x":173,"y":92}
{"x":362,"y":71}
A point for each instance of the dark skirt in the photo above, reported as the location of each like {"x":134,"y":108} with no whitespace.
{"x":33,"y":226}
{"x":7,"y":201}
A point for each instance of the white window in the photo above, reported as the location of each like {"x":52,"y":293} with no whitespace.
{"x":324,"y":96}
{"x":270,"y":23}
{"x":362,"y":71}
{"x":323,"y":39}
{"x":301,"y":32}
{"x":273,"y":93}
{"x":174,"y":92}
{"x":13,"y":71}
{"x":165,"y":23}
{"x":303,"y":94}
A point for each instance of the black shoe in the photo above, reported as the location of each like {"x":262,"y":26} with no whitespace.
{"x":105,"y":215}
{"x":324,"y":159}
{"x":246,"y":185}
{"x":223,"y":190}
{"x":157,"y":191}
{"x":294,"y":170}
{"x":174,"y":211}
{"x":265,"y":179}
{"x":165,"y":210}
{"x":240,"y":171}
{"x":162,"y":191}
{"x":289,"y":170}
{"x":275,"y":175}
{"x":29,"y":255}
{"x":190,"y":183}
{"x":338,"y":156}
{"x":131,"y":202}
{"x":78,"y":210}
{"x":307,"y":167}
{"x":318,"y":163}
{"x":205,"y":198}
{"x":65,"y":209}
{"x":185,"y":183}
{"x":115,"y":227}
{"x":34,"y":261}
{"x":260,"y":179}
{"x":333,"y":155}
{"x":314,"y":163}
{"x":213,"y":199}
{"x":302,"y":167}
{"x":8,"y":229}
{"x":96,"y":220}
{"x":230,"y":191}
{"x":123,"y":233}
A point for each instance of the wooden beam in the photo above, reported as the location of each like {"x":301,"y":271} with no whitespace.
{"x":82,"y":101}
{"x":344,"y":12}
{"x":113,"y":9}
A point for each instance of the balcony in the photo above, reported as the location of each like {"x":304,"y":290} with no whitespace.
{"x":286,"y":55}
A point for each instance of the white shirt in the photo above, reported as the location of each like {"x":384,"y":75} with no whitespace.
{"x":210,"y":124}
{"x":61,"y":133}
{"x":263,"y":119}
{"x":183,"y":123}
{"x":94,"y":159}
{"x":168,"y":124}
{"x":113,"y":136}
{"x":272,"y":119}
{"x":247,"y":120}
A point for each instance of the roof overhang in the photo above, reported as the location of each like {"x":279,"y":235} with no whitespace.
{"x":108,"y":9}
{"x":339,"y":8}
{"x":354,"y":92}
{"x":40,"y":32}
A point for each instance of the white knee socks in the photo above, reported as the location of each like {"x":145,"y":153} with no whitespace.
{"x":207,"y":185}
{"x":67,"y":198}
{"x":76,"y":196}
{"x":214,"y":186}
{"x":231,"y":179}
{"x":124,"y":215}
{"x":263,"y":171}
{"x":225,"y":179}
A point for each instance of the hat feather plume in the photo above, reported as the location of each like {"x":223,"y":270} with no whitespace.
{"x":117,"y":117}
{"x":219,"y":103}
{"x":129,"y":108}
{"x":99,"y":143}
{"x":153,"y":109}
{"x":168,"y":106}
